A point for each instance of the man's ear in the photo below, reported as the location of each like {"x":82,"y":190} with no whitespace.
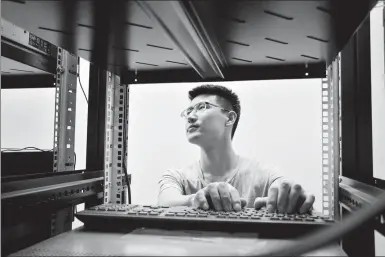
{"x":231,"y":118}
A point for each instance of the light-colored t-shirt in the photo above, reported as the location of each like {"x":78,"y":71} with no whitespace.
{"x":252,"y":179}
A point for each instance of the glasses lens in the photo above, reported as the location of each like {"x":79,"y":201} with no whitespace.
{"x":189,"y":110}
{"x":201,"y":106}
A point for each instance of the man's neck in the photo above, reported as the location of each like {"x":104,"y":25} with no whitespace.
{"x":219,"y":160}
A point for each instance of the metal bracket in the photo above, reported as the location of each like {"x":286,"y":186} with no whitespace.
{"x":115,"y":140}
{"x":330,"y":141}
{"x":65,"y":111}
{"x":355,"y":195}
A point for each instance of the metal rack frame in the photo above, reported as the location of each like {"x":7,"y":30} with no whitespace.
{"x":39,"y":206}
{"x":65,"y":111}
{"x":115,"y":150}
{"x":330,"y":141}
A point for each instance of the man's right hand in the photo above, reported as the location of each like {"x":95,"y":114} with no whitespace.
{"x":219,"y":196}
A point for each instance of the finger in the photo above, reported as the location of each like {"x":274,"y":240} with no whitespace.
{"x":243,"y":202}
{"x":225,"y":196}
{"x":260,"y":202}
{"x":235,"y":199}
{"x":283,"y":197}
{"x":215,"y":197}
{"x":295,"y":192}
{"x":307,"y":204}
{"x":300,"y":201}
{"x":200,"y":200}
{"x":272,"y":199}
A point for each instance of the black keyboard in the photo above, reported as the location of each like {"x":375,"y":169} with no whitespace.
{"x":277,"y":225}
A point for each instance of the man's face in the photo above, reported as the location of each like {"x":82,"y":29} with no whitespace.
{"x":202,"y":127}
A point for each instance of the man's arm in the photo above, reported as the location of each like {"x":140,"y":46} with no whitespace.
{"x":173,"y":197}
{"x":171,"y":190}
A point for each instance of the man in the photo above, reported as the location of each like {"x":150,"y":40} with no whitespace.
{"x":221,"y":179}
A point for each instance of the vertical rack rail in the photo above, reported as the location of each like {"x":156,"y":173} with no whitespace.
{"x":65,"y":112}
{"x":330,"y":141}
{"x":64,"y":129}
{"x":115,"y":140}
{"x":336,"y":144}
{"x":325,"y":146}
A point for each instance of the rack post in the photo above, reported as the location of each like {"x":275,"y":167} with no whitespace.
{"x":330,"y":141}
{"x":115,"y":140}
{"x":65,"y":112}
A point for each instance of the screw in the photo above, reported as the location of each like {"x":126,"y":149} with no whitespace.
{"x":60,"y":69}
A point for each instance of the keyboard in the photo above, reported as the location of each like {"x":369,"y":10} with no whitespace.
{"x":275,"y":225}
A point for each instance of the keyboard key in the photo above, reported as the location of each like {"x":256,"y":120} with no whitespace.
{"x":309,"y":219}
{"x":142,"y":213}
{"x":131,"y":213}
{"x":181,"y":214}
{"x":286,"y":218}
{"x":297,"y":219}
{"x":154,"y":213}
{"x":191,"y":215}
{"x":202,"y":215}
{"x":121,"y":210}
{"x":233,"y":216}
{"x":221,"y":216}
{"x":255,"y":217}
{"x":244,"y":217}
{"x":170,"y":214}
{"x":274,"y":218}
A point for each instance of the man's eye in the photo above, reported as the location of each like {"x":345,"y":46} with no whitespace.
{"x":201,"y":106}
{"x":189,"y":110}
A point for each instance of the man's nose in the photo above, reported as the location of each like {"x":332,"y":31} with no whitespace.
{"x":191,"y":118}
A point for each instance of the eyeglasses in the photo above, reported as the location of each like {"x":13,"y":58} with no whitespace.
{"x":200,"y":107}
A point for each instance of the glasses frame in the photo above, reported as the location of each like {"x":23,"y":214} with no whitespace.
{"x":194,"y":108}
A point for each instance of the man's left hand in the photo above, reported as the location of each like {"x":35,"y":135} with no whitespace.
{"x":286,"y":197}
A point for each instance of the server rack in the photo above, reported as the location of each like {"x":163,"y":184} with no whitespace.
{"x":348,"y":182}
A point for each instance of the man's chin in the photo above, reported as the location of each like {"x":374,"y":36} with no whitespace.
{"x":194,"y":139}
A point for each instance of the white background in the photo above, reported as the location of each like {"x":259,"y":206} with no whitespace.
{"x":280,"y":125}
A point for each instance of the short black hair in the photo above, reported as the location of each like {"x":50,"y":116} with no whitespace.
{"x":222,"y":92}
